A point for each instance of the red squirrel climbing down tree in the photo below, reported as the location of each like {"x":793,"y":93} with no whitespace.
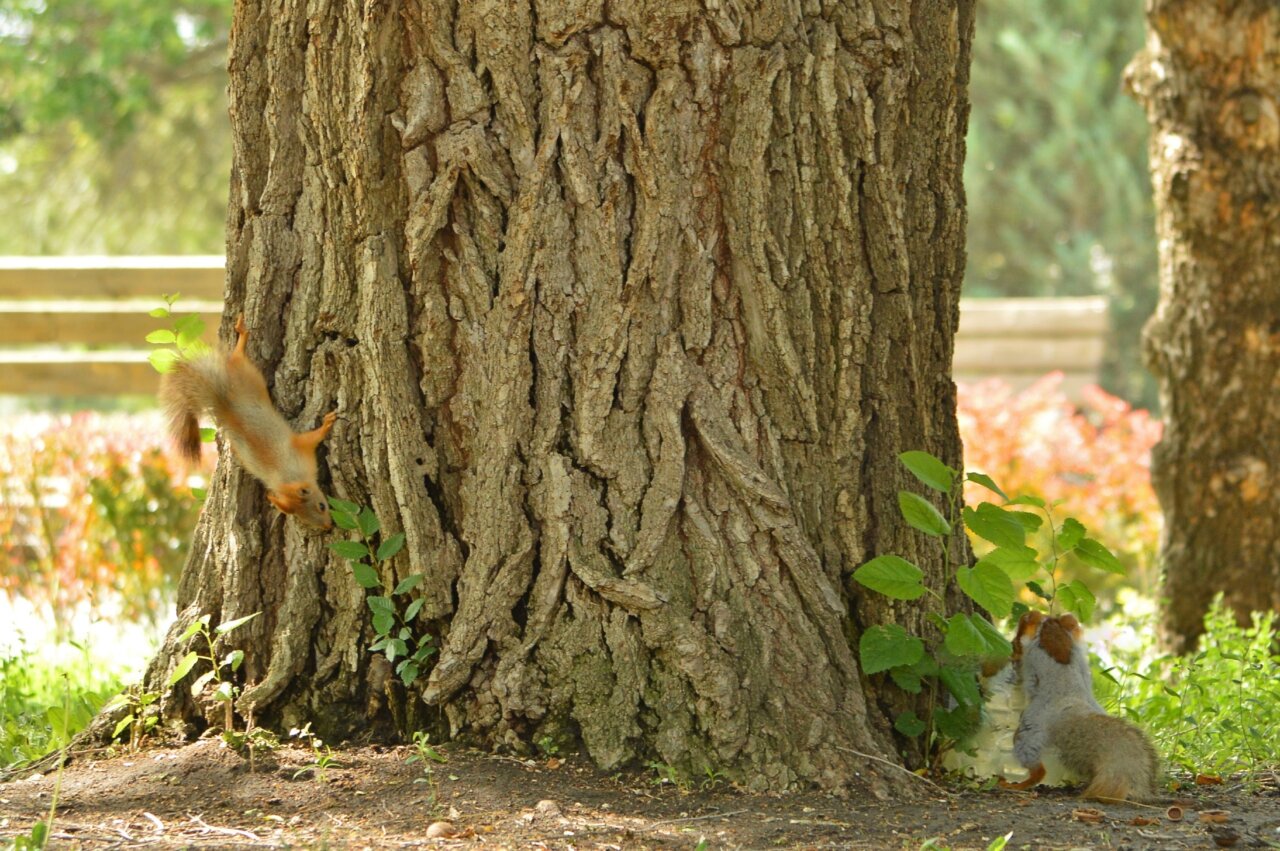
{"x":1113,"y":755}
{"x":234,"y":391}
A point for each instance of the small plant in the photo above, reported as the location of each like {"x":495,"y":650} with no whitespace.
{"x":427,"y":756}
{"x":322,"y":754}
{"x":142,"y":717}
{"x":1213,"y":711}
{"x":712,"y":778}
{"x":184,"y":338}
{"x":394,"y":610}
{"x":225,"y":691}
{"x":665,"y":774}
{"x":968,"y":640}
{"x":547,"y":745}
{"x":38,"y":837}
{"x":425,"y":753}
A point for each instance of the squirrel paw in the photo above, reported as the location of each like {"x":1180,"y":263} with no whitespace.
{"x":241,"y":328}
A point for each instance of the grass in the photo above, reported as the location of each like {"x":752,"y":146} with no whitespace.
{"x":1215,"y":711}
{"x":44,"y":703}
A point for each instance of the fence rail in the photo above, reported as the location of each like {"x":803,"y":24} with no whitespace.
{"x":74,"y":326}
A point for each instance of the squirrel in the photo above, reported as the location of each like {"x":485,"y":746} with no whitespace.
{"x":1114,"y":756}
{"x":235,"y":392}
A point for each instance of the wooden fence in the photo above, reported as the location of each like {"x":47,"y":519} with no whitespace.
{"x":74,"y":326}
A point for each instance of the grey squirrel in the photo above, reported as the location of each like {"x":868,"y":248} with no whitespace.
{"x":234,"y":391}
{"x":1114,"y":756}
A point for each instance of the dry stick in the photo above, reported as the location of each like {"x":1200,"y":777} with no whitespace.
{"x":906,"y":771}
{"x":228,"y":831}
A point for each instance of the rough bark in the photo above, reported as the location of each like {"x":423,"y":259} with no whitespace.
{"x":627,"y":310}
{"x":1209,"y":78}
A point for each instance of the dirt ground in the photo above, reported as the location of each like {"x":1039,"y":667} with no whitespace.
{"x":205,"y":796}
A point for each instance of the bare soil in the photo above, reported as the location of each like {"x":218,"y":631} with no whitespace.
{"x":205,"y":796}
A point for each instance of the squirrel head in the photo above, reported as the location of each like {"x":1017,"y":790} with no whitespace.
{"x":304,"y":501}
{"x":1057,"y":635}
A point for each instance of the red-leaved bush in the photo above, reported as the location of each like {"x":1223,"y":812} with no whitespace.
{"x":92,"y":510}
{"x":1095,"y":456}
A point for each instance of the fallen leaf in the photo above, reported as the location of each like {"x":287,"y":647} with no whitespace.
{"x":1140,"y":821}
{"x":1088,"y":814}
{"x":554,"y":763}
{"x":1208,"y":780}
{"x":441,"y":830}
{"x":1215,"y":816}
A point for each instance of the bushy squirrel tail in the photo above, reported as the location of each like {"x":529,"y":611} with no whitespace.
{"x":190,"y":388}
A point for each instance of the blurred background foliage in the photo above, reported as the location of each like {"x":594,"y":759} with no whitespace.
{"x":114,"y":139}
{"x":113,"y":128}
{"x":1056,"y":176}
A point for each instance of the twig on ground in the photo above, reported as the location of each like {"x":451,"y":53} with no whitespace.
{"x":906,"y":771}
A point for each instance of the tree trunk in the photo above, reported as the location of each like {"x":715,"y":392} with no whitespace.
{"x":1210,"y":81}
{"x":626,"y":310}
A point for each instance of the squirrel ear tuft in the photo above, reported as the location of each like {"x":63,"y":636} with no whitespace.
{"x":285,"y":498}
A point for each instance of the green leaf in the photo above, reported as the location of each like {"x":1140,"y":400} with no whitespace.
{"x":350,"y":550}
{"x":1077,"y":598}
{"x":234,"y":659}
{"x":159,"y":313}
{"x":908,"y":724}
{"x":957,"y":724}
{"x":342,"y":520}
{"x":162,"y":360}
{"x":998,"y":647}
{"x":388,"y":548}
{"x":194,"y":627}
{"x":414,"y":607}
{"x":994,"y":524}
{"x":122,"y":725}
{"x":929,"y":470}
{"x":408,"y":584}
{"x":225,"y":692}
{"x":224,"y":628}
{"x":988,"y":586}
{"x":907,"y":678}
{"x":1027,"y":499}
{"x":963,"y":638}
{"x":987,"y":482}
{"x":200,"y":681}
{"x":162,"y":337}
{"x":368,"y":522}
{"x":888,"y":646}
{"x":201,"y":494}
{"x":408,"y":673}
{"x":208,"y":435}
{"x":910,"y":677}
{"x":383,"y":623}
{"x":1096,"y":555}
{"x":920,"y":514}
{"x":381,"y":605}
{"x":184,"y":667}
{"x":892,"y":576}
{"x":1038,"y":589}
{"x":189,"y":328}
{"x":1070,"y":535}
{"x":1018,"y":564}
{"x":366,"y":576}
{"x":344,"y":506}
{"x":963,"y":685}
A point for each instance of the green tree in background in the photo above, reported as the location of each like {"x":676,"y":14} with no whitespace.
{"x":1056,"y":175}
{"x":113,"y":128}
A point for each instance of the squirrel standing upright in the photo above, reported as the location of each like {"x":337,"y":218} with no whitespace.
{"x":234,"y":391}
{"x":1113,"y":755}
